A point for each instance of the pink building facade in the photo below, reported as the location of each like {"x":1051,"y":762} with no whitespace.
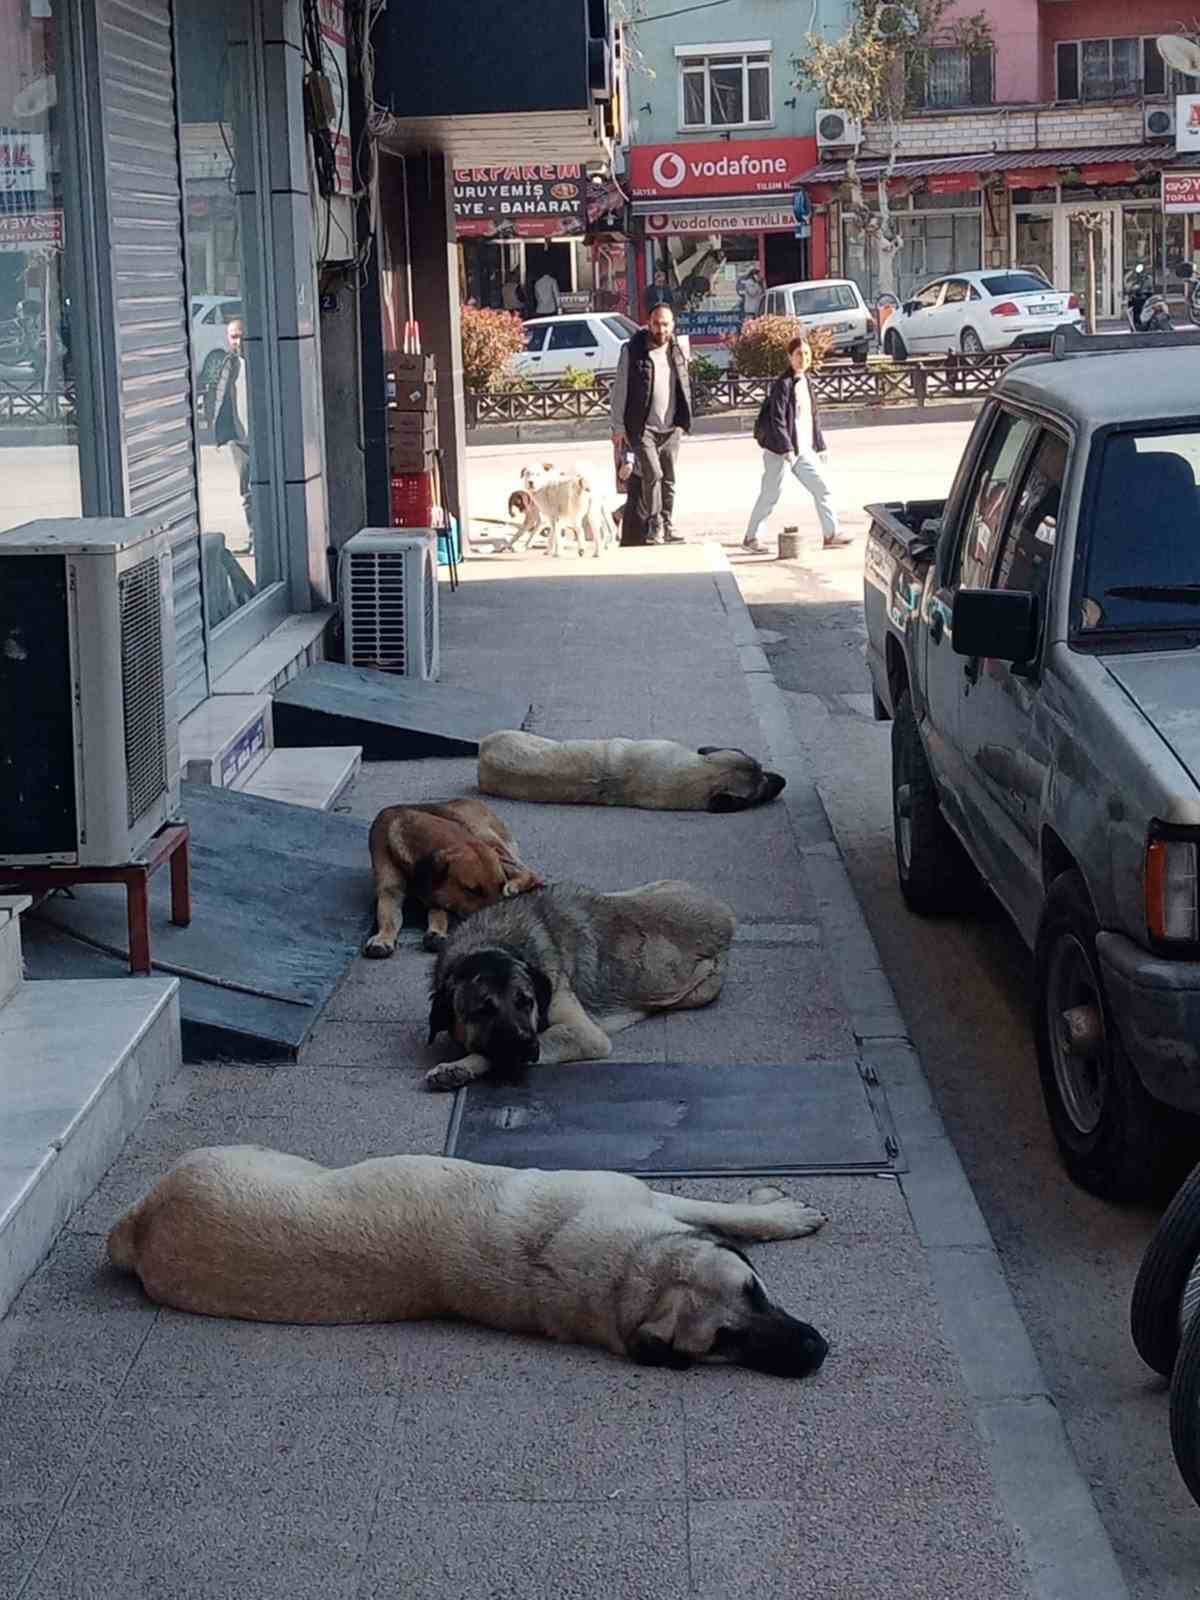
{"x":1072,"y":111}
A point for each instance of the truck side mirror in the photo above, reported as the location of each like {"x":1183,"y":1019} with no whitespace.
{"x":999,"y":624}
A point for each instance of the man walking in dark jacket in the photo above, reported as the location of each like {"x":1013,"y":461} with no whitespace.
{"x":788,"y":432}
{"x":231,"y":419}
{"x":651,"y":411}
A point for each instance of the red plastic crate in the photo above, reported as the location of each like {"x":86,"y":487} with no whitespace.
{"x":412,"y":500}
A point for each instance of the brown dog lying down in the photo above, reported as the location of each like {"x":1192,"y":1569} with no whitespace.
{"x":655,"y":774}
{"x":583,"y":1257}
{"x":454,"y":858}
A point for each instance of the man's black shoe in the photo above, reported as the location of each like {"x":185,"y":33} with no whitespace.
{"x":675,"y":538}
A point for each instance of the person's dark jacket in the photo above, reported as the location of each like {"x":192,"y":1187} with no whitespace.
{"x":224,"y":417}
{"x":640,"y":384}
{"x":775,"y":429}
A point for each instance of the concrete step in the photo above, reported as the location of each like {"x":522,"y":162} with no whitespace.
{"x":296,"y":643}
{"x":80,"y":1062}
{"x":226,"y":739}
{"x":312,"y":777}
{"x":11,"y":964}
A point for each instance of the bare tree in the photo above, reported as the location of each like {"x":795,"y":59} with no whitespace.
{"x":872,"y":72}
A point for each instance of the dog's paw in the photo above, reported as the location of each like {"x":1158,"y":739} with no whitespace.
{"x":766,"y":1194}
{"x":798,"y":1218}
{"x":378,"y":948}
{"x":432,"y":941}
{"x":449,"y":1075}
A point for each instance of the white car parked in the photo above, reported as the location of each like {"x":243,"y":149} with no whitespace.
{"x":832,"y":303}
{"x":587,"y":341}
{"x":1008,"y":308}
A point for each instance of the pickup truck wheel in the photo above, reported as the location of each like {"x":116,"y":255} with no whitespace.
{"x":1185,"y":1410}
{"x":1113,"y":1137}
{"x":1167,"y":1291}
{"x":930,"y":862}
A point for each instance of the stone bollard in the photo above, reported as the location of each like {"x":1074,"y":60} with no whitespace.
{"x":789,"y":544}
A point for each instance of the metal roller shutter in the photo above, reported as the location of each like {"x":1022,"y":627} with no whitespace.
{"x":149,"y":296}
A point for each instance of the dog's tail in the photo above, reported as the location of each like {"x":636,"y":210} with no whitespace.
{"x":125,"y":1239}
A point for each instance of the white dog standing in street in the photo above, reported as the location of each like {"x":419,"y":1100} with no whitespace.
{"x":556,"y":499}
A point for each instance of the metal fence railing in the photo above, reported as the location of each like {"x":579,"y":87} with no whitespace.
{"x":839,"y":383}
{"x":21,"y":402}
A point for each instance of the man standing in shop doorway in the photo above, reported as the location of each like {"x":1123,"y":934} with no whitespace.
{"x":545,"y":295}
{"x":231,"y":419}
{"x":651,"y":411}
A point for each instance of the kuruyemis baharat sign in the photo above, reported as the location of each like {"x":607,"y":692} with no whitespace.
{"x":534,"y":202}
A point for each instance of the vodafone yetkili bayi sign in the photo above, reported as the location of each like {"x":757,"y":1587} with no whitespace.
{"x":718,"y":167}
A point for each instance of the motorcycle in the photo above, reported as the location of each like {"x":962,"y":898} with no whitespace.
{"x":1145,"y":306}
{"x":1191,"y":294}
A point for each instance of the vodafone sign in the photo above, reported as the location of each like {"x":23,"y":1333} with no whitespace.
{"x":718,"y":167}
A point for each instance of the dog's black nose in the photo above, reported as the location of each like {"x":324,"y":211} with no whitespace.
{"x":773,"y":785}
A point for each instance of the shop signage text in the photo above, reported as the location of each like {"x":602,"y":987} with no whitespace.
{"x":22,"y":161}
{"x":1180,"y":192}
{"x":27,"y":230}
{"x":749,"y":166}
{"x":1187,"y":122}
{"x":952,"y":182}
{"x":686,"y":223}
{"x":518,"y":202}
{"x":333,"y":46}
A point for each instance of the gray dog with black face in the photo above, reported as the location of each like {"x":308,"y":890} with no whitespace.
{"x":653,"y":774}
{"x":550,"y":975}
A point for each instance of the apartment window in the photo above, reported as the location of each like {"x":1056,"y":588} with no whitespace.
{"x":1105,"y":69}
{"x":726,"y":88}
{"x":946,"y":76}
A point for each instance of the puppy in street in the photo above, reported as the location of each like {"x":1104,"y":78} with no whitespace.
{"x":453,"y":858}
{"x":654,"y":774}
{"x":582,"y":1257}
{"x":554,"y":500}
{"x":551,"y":976}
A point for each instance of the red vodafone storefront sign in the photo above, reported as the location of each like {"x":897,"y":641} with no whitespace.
{"x":718,"y":167}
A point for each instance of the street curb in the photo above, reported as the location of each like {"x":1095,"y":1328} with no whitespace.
{"x":1048,"y":1499}
{"x":729,"y":423}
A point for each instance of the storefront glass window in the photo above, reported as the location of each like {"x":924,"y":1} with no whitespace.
{"x":223,"y":203}
{"x":1034,"y":235}
{"x":714,"y":282}
{"x":39,"y":456}
{"x":936,"y":243}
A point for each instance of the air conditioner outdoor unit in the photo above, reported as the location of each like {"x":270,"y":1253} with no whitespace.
{"x":88,"y":730}
{"x":837,"y":128}
{"x":387,"y":579}
{"x":1158,"y":122}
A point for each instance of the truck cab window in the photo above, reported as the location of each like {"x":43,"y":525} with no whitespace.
{"x":989,"y":495}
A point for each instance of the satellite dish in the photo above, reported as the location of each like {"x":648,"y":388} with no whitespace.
{"x":35,"y":98}
{"x":1180,"y":53}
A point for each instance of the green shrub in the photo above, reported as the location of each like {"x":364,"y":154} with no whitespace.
{"x":490,"y":340}
{"x":760,"y":349}
{"x":577,"y":378}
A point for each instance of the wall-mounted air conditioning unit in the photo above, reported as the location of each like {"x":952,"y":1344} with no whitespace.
{"x":1158,"y":122}
{"x":388,"y":583}
{"x":837,"y":128}
{"x":90,"y":763}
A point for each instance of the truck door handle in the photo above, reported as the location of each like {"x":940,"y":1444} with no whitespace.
{"x":937,"y":626}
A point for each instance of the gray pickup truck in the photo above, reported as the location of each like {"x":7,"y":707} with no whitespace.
{"x":1035,"y":639}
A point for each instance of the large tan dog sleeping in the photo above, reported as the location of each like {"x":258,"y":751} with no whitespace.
{"x":550,"y":976}
{"x":583,"y":1257}
{"x":654,"y":774}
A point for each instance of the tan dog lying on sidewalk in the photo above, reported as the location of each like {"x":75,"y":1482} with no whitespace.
{"x":550,"y":976}
{"x":453,"y":858}
{"x":655,"y":774}
{"x":583,"y":1257}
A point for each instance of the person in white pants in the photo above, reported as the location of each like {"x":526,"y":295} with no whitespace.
{"x":788,"y":431}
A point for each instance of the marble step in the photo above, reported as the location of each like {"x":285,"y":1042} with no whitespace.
{"x":226,"y":739}
{"x":80,"y":1062}
{"x":11,"y":964}
{"x":296,"y":643}
{"x":306,"y":777}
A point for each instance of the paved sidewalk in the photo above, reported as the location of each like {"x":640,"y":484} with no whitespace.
{"x":147,"y":1454}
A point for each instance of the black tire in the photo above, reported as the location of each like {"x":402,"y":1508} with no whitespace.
{"x":859,"y":354}
{"x":1114,"y":1139}
{"x":878,"y":710}
{"x":1157,"y":1311}
{"x":930,"y":863}
{"x":894,"y":346}
{"x":1193,"y":305}
{"x":1185,"y":1409}
{"x":970,"y":343}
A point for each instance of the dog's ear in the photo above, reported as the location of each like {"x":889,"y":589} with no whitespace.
{"x":708,"y":750}
{"x":543,"y":991}
{"x":722,"y":801}
{"x":428,"y":874}
{"x":518,"y":879}
{"x":648,"y":1350}
{"x":441,"y":1011}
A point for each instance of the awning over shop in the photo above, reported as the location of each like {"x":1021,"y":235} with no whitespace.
{"x":1023,"y":169}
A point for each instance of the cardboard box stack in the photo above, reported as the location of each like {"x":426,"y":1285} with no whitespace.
{"x":412,"y":412}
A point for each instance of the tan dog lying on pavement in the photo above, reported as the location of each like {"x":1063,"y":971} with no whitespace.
{"x":454,"y":858}
{"x":583,"y":1257}
{"x":655,"y":774}
{"x":550,"y":976}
